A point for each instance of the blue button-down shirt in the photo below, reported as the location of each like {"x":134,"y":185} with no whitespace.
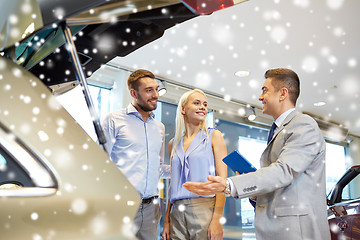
{"x":136,"y":147}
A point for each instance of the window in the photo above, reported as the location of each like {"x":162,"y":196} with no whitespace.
{"x":252,"y":149}
{"x":11,"y":174}
{"x":250,"y":142}
{"x":21,"y":170}
{"x":74,"y":102}
{"x":351,"y":190}
{"x":335,"y":164}
{"x":101,"y":99}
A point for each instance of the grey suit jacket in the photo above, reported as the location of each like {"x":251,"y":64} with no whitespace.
{"x":290,"y":185}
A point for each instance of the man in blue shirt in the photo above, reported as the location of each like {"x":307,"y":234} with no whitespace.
{"x":135,"y":143}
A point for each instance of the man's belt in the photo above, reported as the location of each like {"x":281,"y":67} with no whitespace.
{"x":149,"y":200}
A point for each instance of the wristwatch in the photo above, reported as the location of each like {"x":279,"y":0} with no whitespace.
{"x":227,"y":191}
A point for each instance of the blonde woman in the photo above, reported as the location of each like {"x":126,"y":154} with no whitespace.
{"x":195,"y":152}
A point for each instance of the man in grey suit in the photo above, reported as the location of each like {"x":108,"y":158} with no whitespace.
{"x":290,"y":185}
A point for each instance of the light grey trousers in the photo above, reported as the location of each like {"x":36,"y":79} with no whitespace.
{"x":190,"y":218}
{"x":146,"y":220}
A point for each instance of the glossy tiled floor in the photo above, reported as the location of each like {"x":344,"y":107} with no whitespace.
{"x":232,"y":233}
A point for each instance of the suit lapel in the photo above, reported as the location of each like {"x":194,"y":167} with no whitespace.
{"x":265,"y":155}
{"x":283,"y":125}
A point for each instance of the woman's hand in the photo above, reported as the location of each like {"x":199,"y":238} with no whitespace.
{"x":166,"y":230}
{"x":215,"y":230}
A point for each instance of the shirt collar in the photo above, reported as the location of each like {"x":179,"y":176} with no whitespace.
{"x":132,"y":110}
{"x":282,"y":117}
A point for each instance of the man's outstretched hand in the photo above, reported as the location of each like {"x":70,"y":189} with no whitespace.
{"x":215,"y":185}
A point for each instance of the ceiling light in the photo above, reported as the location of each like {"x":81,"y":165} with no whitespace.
{"x":251,"y":114}
{"x":162,"y":87}
{"x":242,"y":73}
{"x":241,"y":111}
{"x":319,"y":104}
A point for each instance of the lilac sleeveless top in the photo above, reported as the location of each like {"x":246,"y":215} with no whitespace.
{"x":194,"y":165}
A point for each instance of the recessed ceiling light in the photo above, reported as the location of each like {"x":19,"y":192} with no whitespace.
{"x":319,"y":104}
{"x":242,"y":73}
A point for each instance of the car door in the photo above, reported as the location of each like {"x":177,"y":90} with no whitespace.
{"x":340,"y":223}
{"x":344,"y":215}
{"x":55,"y":182}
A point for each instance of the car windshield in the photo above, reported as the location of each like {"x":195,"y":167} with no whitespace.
{"x":351,"y":191}
{"x":347,"y":187}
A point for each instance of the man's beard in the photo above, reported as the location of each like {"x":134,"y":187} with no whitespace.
{"x":146,"y":108}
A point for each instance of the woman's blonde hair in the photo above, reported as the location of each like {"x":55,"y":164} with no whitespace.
{"x":180,"y":120}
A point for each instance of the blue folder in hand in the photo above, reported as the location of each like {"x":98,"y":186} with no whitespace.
{"x":238,"y":163}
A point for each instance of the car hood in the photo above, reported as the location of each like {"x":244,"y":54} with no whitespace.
{"x":101,"y":29}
